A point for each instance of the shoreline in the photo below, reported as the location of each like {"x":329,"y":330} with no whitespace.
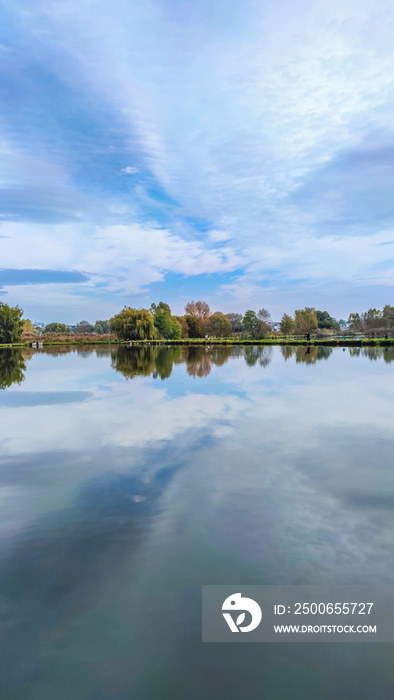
{"x":351,"y":342}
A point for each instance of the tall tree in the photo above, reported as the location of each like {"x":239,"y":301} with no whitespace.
{"x":184,"y":327}
{"x":264,"y":316}
{"x":133,"y":324}
{"x":355,"y":323}
{"x":287,"y":325}
{"x":101,"y":327}
{"x":198,"y":308}
{"x":196,"y":326}
{"x":166,"y":324}
{"x":219,"y":325}
{"x":324,"y":320}
{"x":388,"y":315}
{"x":11,"y":324}
{"x":372,"y":319}
{"x":253,"y":327}
{"x":236,"y":322}
{"x":305,"y":320}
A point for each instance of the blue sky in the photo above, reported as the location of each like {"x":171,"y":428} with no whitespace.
{"x":241,"y":153}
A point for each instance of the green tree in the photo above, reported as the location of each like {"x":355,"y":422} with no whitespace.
{"x":184,"y":327}
{"x":196,"y":326}
{"x":56,"y":328}
{"x":388,"y":316}
{"x":324,"y":320}
{"x":166,"y":324}
{"x":355,"y":323}
{"x":219,"y":325}
{"x":28,"y":326}
{"x":11,"y":324}
{"x":287,"y":325}
{"x":236,"y":322}
{"x":372,"y":319}
{"x":84,"y":327}
{"x":102,"y":327}
{"x":305,"y":320}
{"x":253,"y":327}
{"x":133,"y":324}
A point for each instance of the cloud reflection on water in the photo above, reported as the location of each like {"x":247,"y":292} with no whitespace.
{"x":115,"y":509}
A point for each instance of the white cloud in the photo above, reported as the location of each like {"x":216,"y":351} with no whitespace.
{"x":130,"y":170}
{"x":121,"y":259}
{"x":269,"y":95}
{"x":109,"y":419}
{"x":218,"y":236}
{"x":148,"y":252}
{"x":230,"y":117}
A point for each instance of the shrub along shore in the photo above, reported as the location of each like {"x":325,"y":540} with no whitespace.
{"x":334,"y":342}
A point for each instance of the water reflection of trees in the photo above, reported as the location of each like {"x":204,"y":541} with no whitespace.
{"x":12,"y":367}
{"x":158,"y":361}
{"x":144,"y":361}
{"x":309,"y":354}
{"x":378,"y":353}
{"x":254,"y":354}
{"x":373,"y":353}
{"x":199,"y":360}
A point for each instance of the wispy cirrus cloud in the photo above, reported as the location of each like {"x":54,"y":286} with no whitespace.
{"x":259,"y":142}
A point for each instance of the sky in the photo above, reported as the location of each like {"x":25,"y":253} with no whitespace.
{"x":240,"y":153}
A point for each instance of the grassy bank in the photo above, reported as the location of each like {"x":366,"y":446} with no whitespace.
{"x":364,"y":342}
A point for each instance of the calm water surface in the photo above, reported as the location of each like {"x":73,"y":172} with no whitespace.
{"x":130,"y":477}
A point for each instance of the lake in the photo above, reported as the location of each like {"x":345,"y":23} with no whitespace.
{"x":130,"y":477}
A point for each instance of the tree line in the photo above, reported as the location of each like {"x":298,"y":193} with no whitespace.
{"x":198,"y":321}
{"x":372,"y":320}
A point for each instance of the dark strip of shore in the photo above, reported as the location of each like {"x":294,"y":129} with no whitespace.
{"x":333,"y":343}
